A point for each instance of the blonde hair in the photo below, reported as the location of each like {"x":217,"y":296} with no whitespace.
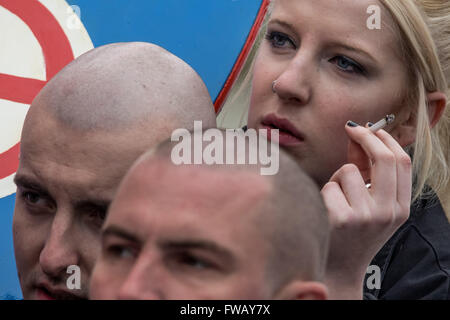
{"x":423,"y":27}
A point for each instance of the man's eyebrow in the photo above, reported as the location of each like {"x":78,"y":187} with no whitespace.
{"x":91,"y":203}
{"x":119,"y":232}
{"x":183,"y":244}
{"x":27,"y":182}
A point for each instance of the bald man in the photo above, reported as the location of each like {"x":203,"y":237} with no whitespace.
{"x":212,"y":232}
{"x":81,"y":134}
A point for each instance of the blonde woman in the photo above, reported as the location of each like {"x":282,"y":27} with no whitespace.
{"x":318,"y":70}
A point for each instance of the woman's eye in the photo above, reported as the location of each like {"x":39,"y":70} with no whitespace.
{"x":347,"y":65}
{"x":279,"y":40}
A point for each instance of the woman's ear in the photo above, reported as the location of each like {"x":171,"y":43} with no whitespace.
{"x":301,"y":290}
{"x":405,"y":131}
{"x":436,"y":106}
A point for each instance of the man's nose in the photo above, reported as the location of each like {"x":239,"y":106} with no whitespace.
{"x":144,"y":282}
{"x":60,"y":249}
{"x":295,"y":84}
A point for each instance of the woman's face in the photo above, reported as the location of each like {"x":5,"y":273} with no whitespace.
{"x":329,"y":68}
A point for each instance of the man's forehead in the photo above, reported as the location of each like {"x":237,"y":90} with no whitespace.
{"x":48,"y":140}
{"x":210,"y":185}
{"x":54,"y":180}
{"x":83,"y":167}
{"x":160,"y":190}
{"x":187,"y":212}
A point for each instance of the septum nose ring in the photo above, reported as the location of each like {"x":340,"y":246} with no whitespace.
{"x":274,"y":90}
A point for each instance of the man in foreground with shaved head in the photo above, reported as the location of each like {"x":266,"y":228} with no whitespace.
{"x":212,"y":232}
{"x":81,"y":134}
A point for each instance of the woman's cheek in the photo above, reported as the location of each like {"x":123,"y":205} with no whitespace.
{"x":263,"y":76}
{"x":256,"y":106}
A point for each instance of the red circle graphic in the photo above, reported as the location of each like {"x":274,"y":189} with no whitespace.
{"x":57,"y":53}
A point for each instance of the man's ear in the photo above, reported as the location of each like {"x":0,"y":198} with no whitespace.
{"x":405,"y":131}
{"x":301,"y":290}
{"x":436,"y":106}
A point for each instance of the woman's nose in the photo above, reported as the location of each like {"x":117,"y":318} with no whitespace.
{"x":295,"y":83}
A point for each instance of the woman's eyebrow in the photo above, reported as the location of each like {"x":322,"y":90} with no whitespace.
{"x":283,"y":24}
{"x":335,"y":44}
{"x":354,"y":49}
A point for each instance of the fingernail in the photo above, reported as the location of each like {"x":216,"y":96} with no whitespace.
{"x":369,"y":124}
{"x":352,"y":124}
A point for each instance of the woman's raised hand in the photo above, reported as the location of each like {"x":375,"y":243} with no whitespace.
{"x":363,"y":219}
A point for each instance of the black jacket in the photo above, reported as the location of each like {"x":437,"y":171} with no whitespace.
{"x":415,"y":262}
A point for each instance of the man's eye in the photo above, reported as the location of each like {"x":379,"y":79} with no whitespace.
{"x":35,"y":202}
{"x":193,"y":262}
{"x":120,"y":252}
{"x":347,"y":65}
{"x":34,"y":199}
{"x":96,"y":214}
{"x":93,"y":214}
{"x":31,"y":197}
{"x":279,"y":40}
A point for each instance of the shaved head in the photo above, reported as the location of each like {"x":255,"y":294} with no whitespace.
{"x":119,"y":84}
{"x":267,"y":231}
{"x":82,"y":133}
{"x":292,"y":214}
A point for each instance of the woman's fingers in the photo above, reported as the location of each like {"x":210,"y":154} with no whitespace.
{"x":384,"y":171}
{"x":352,"y":184}
{"x":404,"y":172}
{"x":336,"y":203}
{"x":357,"y":156}
{"x":362,"y":219}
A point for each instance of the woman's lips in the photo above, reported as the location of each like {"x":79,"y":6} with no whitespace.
{"x":289,"y":135}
